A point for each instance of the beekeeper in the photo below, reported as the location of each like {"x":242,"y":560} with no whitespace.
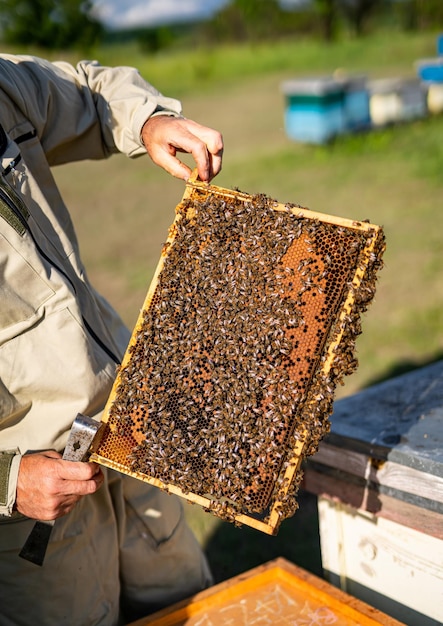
{"x":120,"y":549}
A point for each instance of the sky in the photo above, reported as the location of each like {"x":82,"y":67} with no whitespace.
{"x":121,"y":14}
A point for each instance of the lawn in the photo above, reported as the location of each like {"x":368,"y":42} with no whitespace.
{"x":393,"y":177}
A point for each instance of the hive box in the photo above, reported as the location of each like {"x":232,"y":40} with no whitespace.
{"x":430,"y":70}
{"x":318,"y":109}
{"x":355,"y":103}
{"x":435,"y":98}
{"x":393,"y":100}
{"x":277,"y":593}
{"x":379,"y":478}
{"x":314,"y":109}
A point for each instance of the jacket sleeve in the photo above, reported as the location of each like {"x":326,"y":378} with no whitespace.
{"x":83,"y":112}
{"x":9,"y":466}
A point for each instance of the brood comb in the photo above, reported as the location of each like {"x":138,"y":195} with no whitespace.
{"x":248,"y":326}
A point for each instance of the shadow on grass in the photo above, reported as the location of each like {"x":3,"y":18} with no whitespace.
{"x":403,"y":367}
{"x":232,"y":551}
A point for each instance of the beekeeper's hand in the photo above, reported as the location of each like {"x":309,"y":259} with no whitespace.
{"x":49,"y":487}
{"x":165,"y":136}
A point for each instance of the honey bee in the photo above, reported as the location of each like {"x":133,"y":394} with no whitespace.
{"x":227,"y":371}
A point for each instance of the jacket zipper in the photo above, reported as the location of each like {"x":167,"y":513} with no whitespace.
{"x":19,"y":209}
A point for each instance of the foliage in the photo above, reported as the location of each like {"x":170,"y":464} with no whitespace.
{"x":50,"y":24}
{"x":155,"y":39}
{"x":246,"y":19}
{"x":257,"y":20}
{"x":264,"y":20}
{"x":358,"y":13}
{"x":327,"y":11}
{"x":192,"y":72}
{"x":417,"y":14}
{"x":65,"y":24}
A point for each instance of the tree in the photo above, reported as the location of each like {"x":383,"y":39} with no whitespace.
{"x":327,"y":10}
{"x":259,"y":20}
{"x":249,"y":20}
{"x":358,"y":13}
{"x":52,"y":24}
{"x":419,"y":14}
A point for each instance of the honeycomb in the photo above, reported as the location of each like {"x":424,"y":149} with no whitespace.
{"x":248,"y":326}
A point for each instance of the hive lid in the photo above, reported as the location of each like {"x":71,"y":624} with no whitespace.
{"x":247,"y":327}
{"x":430,"y":70}
{"x":393,"y":85}
{"x":399,"y":419}
{"x":322,"y":85}
{"x":312,"y":86}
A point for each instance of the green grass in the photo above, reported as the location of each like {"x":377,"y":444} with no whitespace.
{"x":393,"y":177}
{"x":201,"y":69}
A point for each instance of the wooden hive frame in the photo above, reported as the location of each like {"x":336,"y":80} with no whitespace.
{"x":310,"y":371}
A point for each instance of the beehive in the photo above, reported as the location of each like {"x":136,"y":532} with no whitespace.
{"x":247,"y":327}
{"x":277,"y":593}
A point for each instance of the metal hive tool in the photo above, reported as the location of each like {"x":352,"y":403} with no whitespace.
{"x":248,"y":326}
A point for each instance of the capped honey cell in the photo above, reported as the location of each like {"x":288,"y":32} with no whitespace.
{"x":249,"y":324}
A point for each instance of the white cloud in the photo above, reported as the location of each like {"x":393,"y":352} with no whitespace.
{"x":118,"y":14}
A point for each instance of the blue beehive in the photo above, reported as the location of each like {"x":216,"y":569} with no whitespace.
{"x":430,"y":70}
{"x":314,"y":109}
{"x":356,"y":103}
{"x":320,"y":108}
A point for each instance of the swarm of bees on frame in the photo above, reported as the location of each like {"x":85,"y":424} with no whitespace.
{"x":226,"y":372}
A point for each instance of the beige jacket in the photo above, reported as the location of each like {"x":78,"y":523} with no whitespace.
{"x":59,"y":340}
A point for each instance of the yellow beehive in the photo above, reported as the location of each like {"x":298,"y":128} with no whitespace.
{"x":247,"y":327}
